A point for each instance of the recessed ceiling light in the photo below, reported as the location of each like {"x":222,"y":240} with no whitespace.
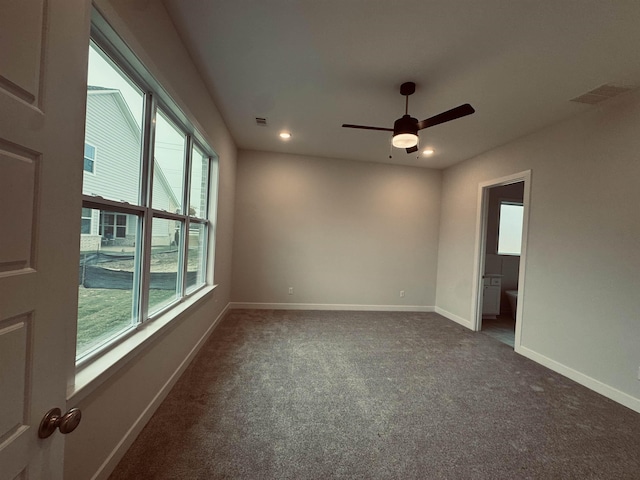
{"x":428,"y":151}
{"x":285,"y":135}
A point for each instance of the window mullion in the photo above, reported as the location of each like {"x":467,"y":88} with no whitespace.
{"x":211,"y":203}
{"x":187,"y":202}
{"x":97,"y":202}
{"x":167,"y":215}
{"x":207,"y":185}
{"x":146,"y":192}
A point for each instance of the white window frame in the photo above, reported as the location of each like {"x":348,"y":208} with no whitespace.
{"x":155,"y":98}
{"x":95,"y":156}
{"x":90,"y":218}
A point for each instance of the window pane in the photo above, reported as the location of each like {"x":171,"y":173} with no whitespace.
{"x":168,"y":174}
{"x":105,"y":294}
{"x":196,"y":256}
{"x":510,"y":233}
{"x":89,"y":151}
{"x":114,"y":231}
{"x":199,"y":183}
{"x":165,"y":263}
{"x":88,"y":165}
{"x":85,"y":228}
{"x":113,"y":128}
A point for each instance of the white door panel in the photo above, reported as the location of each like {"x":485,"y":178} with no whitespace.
{"x":43,"y":49}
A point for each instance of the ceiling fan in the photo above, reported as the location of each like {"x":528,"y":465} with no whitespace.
{"x":405,"y":129}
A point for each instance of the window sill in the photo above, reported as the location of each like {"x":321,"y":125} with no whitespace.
{"x":92,"y":375}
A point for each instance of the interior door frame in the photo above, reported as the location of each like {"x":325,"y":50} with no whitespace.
{"x":480,"y":248}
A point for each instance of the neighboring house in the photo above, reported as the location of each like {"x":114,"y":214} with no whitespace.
{"x":108,"y":117}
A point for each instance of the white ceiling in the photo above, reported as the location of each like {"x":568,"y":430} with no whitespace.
{"x":309,"y":66}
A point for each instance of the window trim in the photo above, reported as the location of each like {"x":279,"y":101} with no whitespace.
{"x":155,"y":99}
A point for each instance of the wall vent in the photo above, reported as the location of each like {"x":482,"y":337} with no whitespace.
{"x":602,"y":93}
{"x":261,"y":121}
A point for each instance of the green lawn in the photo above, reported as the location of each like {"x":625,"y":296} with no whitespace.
{"x":103,"y":312}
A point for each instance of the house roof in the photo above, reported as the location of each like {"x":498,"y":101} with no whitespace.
{"x":309,"y":66}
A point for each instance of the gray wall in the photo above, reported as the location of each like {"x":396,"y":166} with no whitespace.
{"x":339,"y":232}
{"x":116,"y":411}
{"x":581,"y":302}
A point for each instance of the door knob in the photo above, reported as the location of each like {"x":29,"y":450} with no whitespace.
{"x":53,"y":419}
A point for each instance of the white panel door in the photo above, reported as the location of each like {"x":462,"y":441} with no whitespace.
{"x":43,"y":46}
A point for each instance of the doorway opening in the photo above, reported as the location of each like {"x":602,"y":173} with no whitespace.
{"x":503,"y":212}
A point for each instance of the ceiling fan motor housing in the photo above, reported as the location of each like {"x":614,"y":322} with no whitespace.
{"x":405,"y":124}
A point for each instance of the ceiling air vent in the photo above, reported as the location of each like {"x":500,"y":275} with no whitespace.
{"x":602,"y":93}
{"x":262,"y":122}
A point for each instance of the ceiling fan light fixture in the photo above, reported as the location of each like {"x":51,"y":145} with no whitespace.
{"x":405,"y":132}
{"x":405,"y":140}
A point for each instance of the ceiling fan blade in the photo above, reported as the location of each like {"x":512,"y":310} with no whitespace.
{"x":364,"y":127}
{"x":412,"y":149}
{"x":454,"y":113}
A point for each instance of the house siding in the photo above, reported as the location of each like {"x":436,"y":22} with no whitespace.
{"x":117,"y":165}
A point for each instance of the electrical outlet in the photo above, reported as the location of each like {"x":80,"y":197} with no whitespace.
{"x":401,"y":293}
{"x":290,"y":290}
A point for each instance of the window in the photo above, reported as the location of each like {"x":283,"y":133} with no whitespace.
{"x":85,"y":228}
{"x":89,"y":158}
{"x":151,"y":199}
{"x":510,"y":229}
{"x":113,"y":225}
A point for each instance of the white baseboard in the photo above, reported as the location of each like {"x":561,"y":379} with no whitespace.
{"x":585,"y":380}
{"x":462,"y":321}
{"x":127,"y":440}
{"x":330,"y":306}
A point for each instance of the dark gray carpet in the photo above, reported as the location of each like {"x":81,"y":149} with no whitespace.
{"x":376,"y":395}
